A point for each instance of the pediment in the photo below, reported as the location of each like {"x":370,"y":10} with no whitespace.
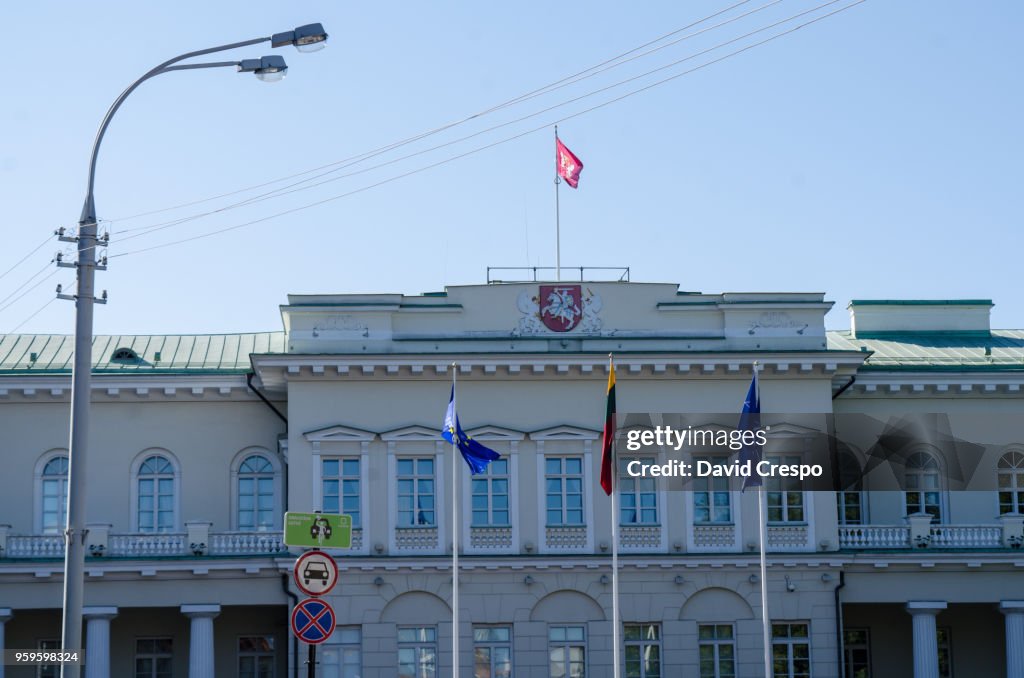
{"x":339,"y":434}
{"x":495,"y":433}
{"x":415,"y":432}
{"x":565,"y":433}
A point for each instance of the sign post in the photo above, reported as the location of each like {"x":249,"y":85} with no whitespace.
{"x":315,"y":572}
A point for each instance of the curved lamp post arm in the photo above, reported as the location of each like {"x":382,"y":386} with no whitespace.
{"x":89,"y":208}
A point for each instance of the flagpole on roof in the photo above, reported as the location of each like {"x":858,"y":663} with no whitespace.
{"x":455,"y":533}
{"x":616,"y":626}
{"x":558,"y":228}
{"x":763,"y":527}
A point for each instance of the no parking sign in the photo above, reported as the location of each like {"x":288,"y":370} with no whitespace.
{"x":313,"y":621}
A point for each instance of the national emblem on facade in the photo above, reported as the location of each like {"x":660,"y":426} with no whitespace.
{"x":559,"y":308}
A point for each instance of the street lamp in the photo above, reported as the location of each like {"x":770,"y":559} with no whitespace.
{"x":305,"y":38}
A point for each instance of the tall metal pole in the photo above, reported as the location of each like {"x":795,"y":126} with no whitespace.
{"x":558,"y":226}
{"x":616,"y":623}
{"x":455,"y":530}
{"x":81,"y":374}
{"x":762,"y":526}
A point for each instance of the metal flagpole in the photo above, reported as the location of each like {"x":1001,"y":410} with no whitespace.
{"x":763,"y":527}
{"x":558,"y":226}
{"x":455,"y":529}
{"x":616,"y":626}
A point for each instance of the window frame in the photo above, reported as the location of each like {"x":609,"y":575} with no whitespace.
{"x":643,"y":643}
{"x":716,"y":643}
{"x":38,"y":481}
{"x":563,"y":476}
{"x":637,"y":494}
{"x":492,"y":645}
{"x":783,"y":494}
{"x":789,"y":642}
{"x":341,"y":478}
{"x":920,"y":472}
{"x":567,"y":645}
{"x":488,"y":477}
{"x":175,"y":474}
{"x":239,"y":654}
{"x":236,"y":494}
{"x":711,"y":492}
{"x":418,"y":645}
{"x":1015,"y":471}
{"x":136,"y":655}
{"x":416,"y":479}
{"x":848,"y":661}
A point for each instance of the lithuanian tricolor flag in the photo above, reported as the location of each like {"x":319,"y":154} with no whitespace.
{"x":608,"y":440}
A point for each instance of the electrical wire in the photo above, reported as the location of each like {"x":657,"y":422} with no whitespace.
{"x":25,"y":258}
{"x":37,"y":312}
{"x":505,"y":140}
{"x":22,"y":296}
{"x":24,"y":284}
{"x":298,"y":186}
{"x":571,"y":79}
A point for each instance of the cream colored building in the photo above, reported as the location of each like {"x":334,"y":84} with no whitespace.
{"x":195,"y":460}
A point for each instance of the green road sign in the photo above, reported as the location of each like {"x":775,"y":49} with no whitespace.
{"x":318,"y":530}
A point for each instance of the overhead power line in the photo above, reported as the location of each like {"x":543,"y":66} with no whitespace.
{"x":303,"y":185}
{"x":513,"y":137}
{"x":570,"y":79}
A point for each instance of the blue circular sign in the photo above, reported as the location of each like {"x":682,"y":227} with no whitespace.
{"x":313,"y":621}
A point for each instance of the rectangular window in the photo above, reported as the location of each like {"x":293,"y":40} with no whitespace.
{"x":416,"y":492}
{"x":153,"y":657}
{"x":51,"y":670}
{"x":638,"y":497}
{"x":791,"y":650}
{"x":944,"y":639}
{"x":256,"y":657}
{"x":55,"y":503}
{"x":492,"y":651}
{"x":342,"y":656}
{"x":643,"y":650}
{"x":849,"y":506}
{"x":712,"y":502}
{"x":417,"y":652}
{"x":341,"y":488}
{"x":156,"y":504}
{"x":563,"y":478}
{"x":567,"y":652}
{"x":785,"y":500}
{"x":857,"y":653}
{"x":717,"y":646}
{"x":489,"y":495}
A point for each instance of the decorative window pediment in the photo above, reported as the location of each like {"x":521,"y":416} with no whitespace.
{"x":495,"y":433}
{"x":412,"y":433}
{"x":565,"y":433}
{"x":339,"y":434}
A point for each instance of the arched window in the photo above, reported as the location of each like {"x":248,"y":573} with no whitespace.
{"x":155,"y":503}
{"x":1010,"y":470}
{"x":54,"y":495}
{"x":924,"y":493}
{"x":256,"y":494}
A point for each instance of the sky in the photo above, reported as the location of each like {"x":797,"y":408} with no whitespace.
{"x":873,"y":154}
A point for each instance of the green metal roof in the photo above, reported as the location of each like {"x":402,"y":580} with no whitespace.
{"x":40,"y":354}
{"x":229,"y":353}
{"x":999,"y":350}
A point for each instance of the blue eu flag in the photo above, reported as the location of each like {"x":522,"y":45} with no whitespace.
{"x":475,"y":454}
{"x":750,"y":420}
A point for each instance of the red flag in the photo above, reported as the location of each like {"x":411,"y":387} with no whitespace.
{"x":569,"y":166}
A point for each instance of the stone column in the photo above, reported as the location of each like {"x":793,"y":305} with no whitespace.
{"x":926,"y":647}
{"x":200,"y":640}
{"x":1014,"y":612}
{"x":5,"y":615}
{"x":97,"y":640}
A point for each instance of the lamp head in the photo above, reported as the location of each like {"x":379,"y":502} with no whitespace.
{"x":268,"y":69}
{"x":308,"y":38}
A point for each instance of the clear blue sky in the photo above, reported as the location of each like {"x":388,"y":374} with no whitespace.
{"x":876,"y":154}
